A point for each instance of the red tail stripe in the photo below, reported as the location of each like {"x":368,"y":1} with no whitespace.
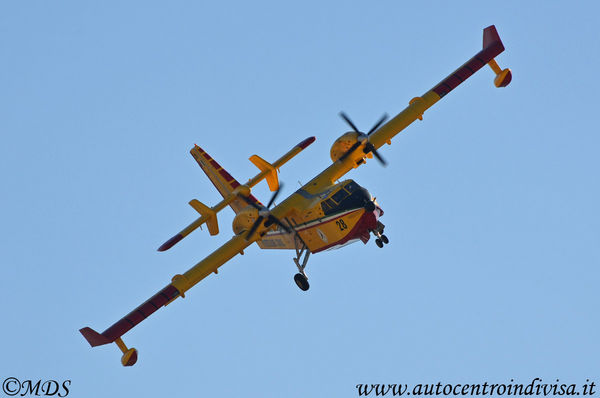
{"x":226,"y":175}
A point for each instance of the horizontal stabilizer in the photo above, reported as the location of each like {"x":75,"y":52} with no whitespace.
{"x":235,"y":195}
{"x":210,"y":214}
{"x":267,"y":167}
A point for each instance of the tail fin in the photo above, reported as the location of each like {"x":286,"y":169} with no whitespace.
{"x":220,"y":178}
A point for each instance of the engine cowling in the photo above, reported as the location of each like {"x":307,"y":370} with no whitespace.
{"x":343,"y":144}
{"x":244,"y":220}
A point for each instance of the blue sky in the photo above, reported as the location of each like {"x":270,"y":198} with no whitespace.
{"x":490,"y":202}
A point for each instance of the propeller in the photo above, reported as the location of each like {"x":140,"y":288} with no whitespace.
{"x":365,"y":137}
{"x":264,"y":213}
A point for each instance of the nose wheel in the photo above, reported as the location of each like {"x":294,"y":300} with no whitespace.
{"x":381,"y":239}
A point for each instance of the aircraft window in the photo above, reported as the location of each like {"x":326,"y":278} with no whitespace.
{"x":339,"y":195}
{"x":331,"y":203}
{"x":351,"y":186}
{"x":325,"y":207}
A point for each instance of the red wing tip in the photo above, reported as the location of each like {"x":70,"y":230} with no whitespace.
{"x":170,"y":243}
{"x":94,"y":338}
{"x":306,"y":142}
{"x":490,"y":36}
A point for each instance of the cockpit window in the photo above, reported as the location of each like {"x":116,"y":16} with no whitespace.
{"x":350,"y":197}
{"x":351,"y":186}
{"x":339,"y":195}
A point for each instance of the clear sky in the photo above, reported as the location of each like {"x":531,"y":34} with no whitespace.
{"x":491,"y":202}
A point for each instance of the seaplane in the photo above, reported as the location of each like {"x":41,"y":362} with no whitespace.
{"x":326,"y":213}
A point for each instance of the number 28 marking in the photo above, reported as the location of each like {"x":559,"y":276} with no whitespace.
{"x":341,"y":224}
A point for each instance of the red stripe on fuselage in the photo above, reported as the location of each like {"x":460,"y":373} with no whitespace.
{"x":366,"y":223}
{"x":226,"y":175}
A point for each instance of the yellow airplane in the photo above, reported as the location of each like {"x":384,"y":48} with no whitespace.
{"x":323,"y":214}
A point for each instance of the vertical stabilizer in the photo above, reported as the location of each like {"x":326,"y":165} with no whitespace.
{"x":220,"y":178}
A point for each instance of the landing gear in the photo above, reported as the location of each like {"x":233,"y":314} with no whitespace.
{"x":301,"y":259}
{"x":381,"y":238}
{"x":301,"y":281}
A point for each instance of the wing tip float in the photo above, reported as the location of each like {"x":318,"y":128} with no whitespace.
{"x":492,"y":38}
{"x":492,"y":46}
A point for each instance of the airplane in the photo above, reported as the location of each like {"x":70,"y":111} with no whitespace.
{"x":323,"y":214}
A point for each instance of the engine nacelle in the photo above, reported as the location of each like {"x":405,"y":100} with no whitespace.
{"x":244,"y":220}
{"x":343,"y":144}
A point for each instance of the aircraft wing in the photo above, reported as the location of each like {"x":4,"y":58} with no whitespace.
{"x":492,"y":47}
{"x":177,"y":288}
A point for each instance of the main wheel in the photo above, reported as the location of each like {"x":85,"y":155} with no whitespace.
{"x":385,"y":239}
{"x":301,"y":281}
{"x":379,"y":243}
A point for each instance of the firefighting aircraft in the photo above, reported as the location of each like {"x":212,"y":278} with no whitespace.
{"x":325,"y":213}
